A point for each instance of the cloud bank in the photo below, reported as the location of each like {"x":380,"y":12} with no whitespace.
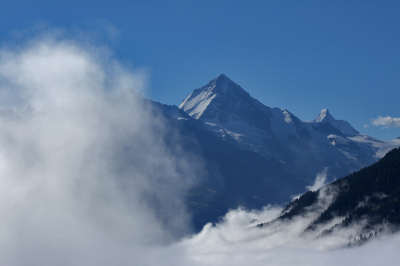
{"x":236,"y":240}
{"x":386,"y":121}
{"x":84,"y":179}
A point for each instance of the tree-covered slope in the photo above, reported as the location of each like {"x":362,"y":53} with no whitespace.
{"x":369,"y":197}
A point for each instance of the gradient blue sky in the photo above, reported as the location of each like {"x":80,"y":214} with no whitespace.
{"x":300,"y":55}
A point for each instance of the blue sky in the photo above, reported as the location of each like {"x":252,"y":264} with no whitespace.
{"x":300,"y":55}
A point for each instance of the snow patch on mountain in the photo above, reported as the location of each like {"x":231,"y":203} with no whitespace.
{"x":380,"y":147}
{"x":282,"y":124}
{"x":323,"y":116}
{"x":337,"y":140}
{"x":196,"y":103}
{"x":240,"y":134}
{"x":226,"y":101}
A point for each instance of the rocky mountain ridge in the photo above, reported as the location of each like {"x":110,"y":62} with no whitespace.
{"x":305,"y":147}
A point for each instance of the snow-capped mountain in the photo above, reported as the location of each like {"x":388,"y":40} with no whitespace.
{"x":224,"y":101}
{"x":342,"y":126}
{"x":230,"y":176}
{"x":232,"y":114}
{"x":304,"y":148}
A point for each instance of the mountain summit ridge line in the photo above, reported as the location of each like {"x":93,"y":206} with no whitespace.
{"x":229,"y":112}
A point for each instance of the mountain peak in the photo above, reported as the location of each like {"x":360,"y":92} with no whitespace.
{"x":224,"y":100}
{"x":222,"y":76}
{"x":225,"y":85}
{"x":324,"y":116}
{"x":223,"y":79}
{"x":344,"y":126}
{"x":219,"y":89}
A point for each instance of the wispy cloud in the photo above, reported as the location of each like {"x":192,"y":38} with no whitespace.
{"x":320,"y":181}
{"x":386,"y":121}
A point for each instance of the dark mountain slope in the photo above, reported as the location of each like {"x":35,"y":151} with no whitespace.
{"x":227,"y":177}
{"x":371,"y":196}
{"x":232,"y":177}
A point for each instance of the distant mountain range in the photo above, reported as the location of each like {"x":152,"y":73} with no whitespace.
{"x":304,"y":148}
{"x":252,"y":155}
{"x":255,"y":155}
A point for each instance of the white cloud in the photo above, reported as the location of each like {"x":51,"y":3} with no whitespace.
{"x":84,"y":181}
{"x":61,"y":72}
{"x":386,"y":122}
{"x":320,"y":181}
{"x":383,"y":251}
{"x":235,"y":241}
